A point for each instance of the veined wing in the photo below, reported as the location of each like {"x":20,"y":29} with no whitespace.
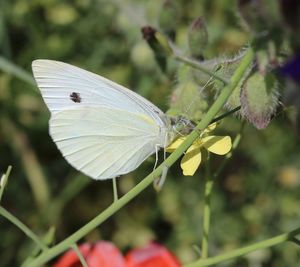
{"x":64,"y":86}
{"x":103,"y":142}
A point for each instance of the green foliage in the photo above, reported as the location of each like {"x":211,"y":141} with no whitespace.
{"x":198,"y":38}
{"x":168,"y":17}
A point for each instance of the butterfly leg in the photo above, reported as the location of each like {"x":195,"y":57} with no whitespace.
{"x":159,"y":181}
{"x":156,"y":156}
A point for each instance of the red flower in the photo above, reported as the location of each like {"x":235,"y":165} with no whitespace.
{"x":105,"y":254}
{"x":153,"y":255}
{"x":70,"y":258}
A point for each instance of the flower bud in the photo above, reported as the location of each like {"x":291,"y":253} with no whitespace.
{"x":259,"y":99}
{"x":159,"y":44}
{"x":187,"y":101}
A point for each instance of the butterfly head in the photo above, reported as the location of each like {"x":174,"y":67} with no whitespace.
{"x":182,"y":125}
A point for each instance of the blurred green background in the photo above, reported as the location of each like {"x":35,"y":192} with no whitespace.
{"x":257,"y":196}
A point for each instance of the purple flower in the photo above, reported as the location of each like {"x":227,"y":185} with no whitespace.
{"x":291,"y":68}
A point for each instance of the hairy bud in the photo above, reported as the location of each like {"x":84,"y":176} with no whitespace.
{"x":259,"y":99}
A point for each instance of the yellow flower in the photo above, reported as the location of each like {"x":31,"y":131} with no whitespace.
{"x":190,"y":162}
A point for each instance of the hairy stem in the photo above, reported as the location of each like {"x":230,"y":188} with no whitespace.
{"x":196,"y":65}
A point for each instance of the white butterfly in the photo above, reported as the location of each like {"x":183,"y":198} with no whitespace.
{"x":103,"y":129}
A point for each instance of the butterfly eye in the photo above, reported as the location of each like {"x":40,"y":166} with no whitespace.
{"x":75,"y":97}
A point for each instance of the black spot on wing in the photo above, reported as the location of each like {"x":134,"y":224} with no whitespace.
{"x":75,"y":97}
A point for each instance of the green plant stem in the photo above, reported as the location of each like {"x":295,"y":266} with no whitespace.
{"x":15,"y":70}
{"x":80,"y":256}
{"x":33,"y":169}
{"x":209,"y":182}
{"x":114,"y":207}
{"x":245,"y":250}
{"x":6,"y":214}
{"x":295,"y":240}
{"x":196,"y":65}
{"x":235,"y":143}
{"x":4,"y":180}
{"x":115,"y":189}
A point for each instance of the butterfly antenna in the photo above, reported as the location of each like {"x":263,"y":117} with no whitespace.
{"x":202,"y":88}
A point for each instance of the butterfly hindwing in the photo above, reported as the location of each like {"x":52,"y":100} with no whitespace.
{"x":102,"y":142}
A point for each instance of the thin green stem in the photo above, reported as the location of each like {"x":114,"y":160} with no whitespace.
{"x":80,"y":256}
{"x":235,"y":143}
{"x":208,"y":190}
{"x":295,"y":240}
{"x":15,"y":70}
{"x":245,"y":250}
{"x":23,"y":228}
{"x":4,"y":180}
{"x":32,"y":167}
{"x":209,"y":182}
{"x":115,"y":189}
{"x":117,"y":205}
{"x":196,"y":65}
{"x":227,"y":90}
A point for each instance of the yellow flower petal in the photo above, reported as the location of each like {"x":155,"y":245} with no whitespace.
{"x":210,"y":127}
{"x":170,"y":148}
{"x":191,"y":160}
{"x":219,"y":145}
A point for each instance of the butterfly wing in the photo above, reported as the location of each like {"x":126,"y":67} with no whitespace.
{"x":103,"y":142}
{"x":64,"y":86}
{"x":103,"y":129}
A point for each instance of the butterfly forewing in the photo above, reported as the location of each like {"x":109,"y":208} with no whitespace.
{"x":103,"y":129}
{"x":58,"y":80}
